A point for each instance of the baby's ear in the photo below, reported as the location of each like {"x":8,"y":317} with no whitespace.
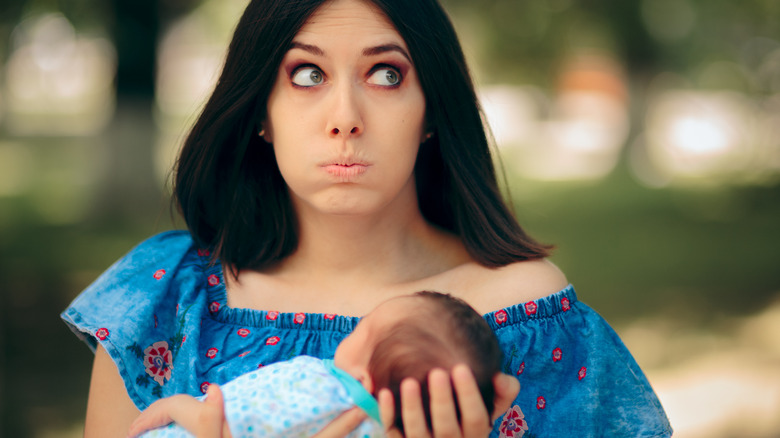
{"x":367,"y":381}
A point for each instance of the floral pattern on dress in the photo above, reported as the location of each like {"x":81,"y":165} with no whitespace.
{"x":501,"y":316}
{"x":513,"y":425}
{"x":541,"y":403}
{"x":102,"y":333}
{"x":158,"y":361}
{"x":299,"y":318}
{"x":243,"y":332}
{"x":582,"y":373}
{"x":530,"y":308}
{"x":565,"y":304}
{"x":557,"y":355}
{"x":160,"y":273}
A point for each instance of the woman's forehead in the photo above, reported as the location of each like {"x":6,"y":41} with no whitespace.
{"x":357,"y":19}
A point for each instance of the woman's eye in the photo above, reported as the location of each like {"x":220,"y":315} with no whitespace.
{"x":385,"y":76}
{"x":307,"y":76}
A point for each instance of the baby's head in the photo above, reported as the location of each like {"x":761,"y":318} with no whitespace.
{"x":410,"y":335}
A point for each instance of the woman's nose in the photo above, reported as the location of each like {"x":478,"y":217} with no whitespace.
{"x":345,"y":118}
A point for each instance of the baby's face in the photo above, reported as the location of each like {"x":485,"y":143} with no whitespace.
{"x":354,"y":352}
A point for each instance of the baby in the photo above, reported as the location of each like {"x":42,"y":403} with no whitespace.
{"x":403,"y":337}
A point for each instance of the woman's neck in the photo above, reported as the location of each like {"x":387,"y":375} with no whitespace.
{"x":396,"y":247}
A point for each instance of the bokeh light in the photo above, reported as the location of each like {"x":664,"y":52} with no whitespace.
{"x":56,"y":81}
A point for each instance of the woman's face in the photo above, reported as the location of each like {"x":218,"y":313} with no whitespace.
{"x":346,"y":114}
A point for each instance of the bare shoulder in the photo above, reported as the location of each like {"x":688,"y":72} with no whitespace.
{"x":488,"y":289}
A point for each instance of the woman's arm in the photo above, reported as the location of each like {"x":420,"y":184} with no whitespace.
{"x":204,"y":419}
{"x":109,"y":409}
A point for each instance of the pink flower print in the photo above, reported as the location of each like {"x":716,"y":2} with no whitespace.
{"x":158,"y":361}
{"x":204,"y":387}
{"x":183,"y":338}
{"x":501,"y":316}
{"x":212,"y":353}
{"x":299,"y":318}
{"x":243,"y":332}
{"x":273,"y":340}
{"x":214,"y":307}
{"x":244,"y":353}
{"x":272,"y":315}
{"x":513,"y":425}
{"x":582,"y":373}
{"x":213,"y":280}
{"x":530,"y":308}
{"x":204,"y":252}
{"x":541,"y":403}
{"x":565,"y":305}
{"x":159,"y":274}
{"x":557,"y":354}
{"x":521,"y":368}
{"x":260,"y":365}
{"x":101,"y":333}
{"x":330,"y":316}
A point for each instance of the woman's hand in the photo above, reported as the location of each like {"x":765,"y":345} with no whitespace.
{"x":343,"y":424}
{"x":204,"y":419}
{"x":475,"y":420}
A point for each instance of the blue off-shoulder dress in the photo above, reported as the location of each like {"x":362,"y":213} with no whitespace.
{"x":161,"y":314}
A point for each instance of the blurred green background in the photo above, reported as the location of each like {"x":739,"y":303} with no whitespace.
{"x":642,"y":137}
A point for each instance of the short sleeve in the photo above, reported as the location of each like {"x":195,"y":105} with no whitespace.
{"x":138,"y":310}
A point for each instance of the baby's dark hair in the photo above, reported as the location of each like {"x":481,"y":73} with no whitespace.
{"x":443,"y":332}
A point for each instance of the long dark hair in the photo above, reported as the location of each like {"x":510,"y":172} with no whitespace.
{"x":235,"y":201}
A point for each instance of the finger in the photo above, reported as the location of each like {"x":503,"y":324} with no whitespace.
{"x":444,"y":419}
{"x":211,"y":421}
{"x":507,"y":388}
{"x":343,"y":424}
{"x":163,"y":412}
{"x":387,"y":413}
{"x":412,"y":410}
{"x":387,"y":410}
{"x":474,"y":417}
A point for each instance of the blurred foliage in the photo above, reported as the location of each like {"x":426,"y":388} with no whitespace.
{"x":522,"y":41}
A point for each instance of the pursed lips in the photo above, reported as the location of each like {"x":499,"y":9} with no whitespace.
{"x":346,"y":169}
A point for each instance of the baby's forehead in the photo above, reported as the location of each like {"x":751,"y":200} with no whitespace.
{"x":406,"y":307}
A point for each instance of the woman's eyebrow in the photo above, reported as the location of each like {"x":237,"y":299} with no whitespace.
{"x":384,"y":48}
{"x":368,"y":51}
{"x":314,"y":50}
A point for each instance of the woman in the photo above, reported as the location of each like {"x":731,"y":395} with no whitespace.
{"x":341,"y":161}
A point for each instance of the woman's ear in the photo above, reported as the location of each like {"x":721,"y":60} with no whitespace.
{"x":265,"y":133}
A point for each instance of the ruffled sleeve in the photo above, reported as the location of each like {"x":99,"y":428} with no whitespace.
{"x":139,"y":311}
{"x":576,"y":376}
